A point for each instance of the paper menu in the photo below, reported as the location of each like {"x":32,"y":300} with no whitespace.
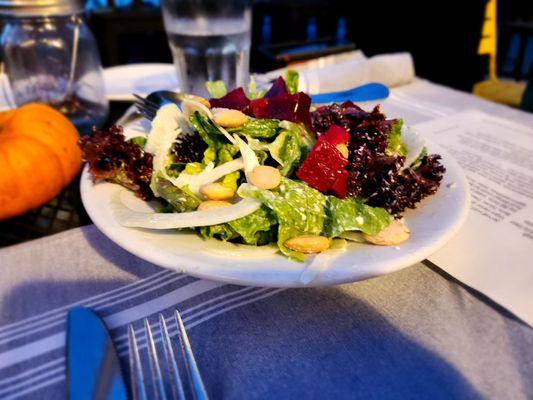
{"x":493,"y":252}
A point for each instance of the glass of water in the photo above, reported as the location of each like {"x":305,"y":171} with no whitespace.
{"x":209,"y":40}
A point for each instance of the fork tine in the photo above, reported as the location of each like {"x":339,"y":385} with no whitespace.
{"x":145,"y":107}
{"x":157,"y":378}
{"x":137,"y":382}
{"x":195,"y":379}
{"x":148,"y":114}
{"x":145,"y":100}
{"x":177,"y":384}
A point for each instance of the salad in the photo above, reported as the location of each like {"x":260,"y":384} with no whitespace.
{"x":266,"y":167}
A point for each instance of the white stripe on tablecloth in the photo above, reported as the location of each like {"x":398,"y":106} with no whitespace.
{"x":7,"y":329}
{"x":56,"y":341}
{"x":184,"y":312}
{"x":34,"y":388}
{"x":50,"y":374}
{"x":60,"y":318}
{"x":31,"y":371}
{"x":270,"y":292}
{"x":121,"y":342}
{"x":173,"y":331}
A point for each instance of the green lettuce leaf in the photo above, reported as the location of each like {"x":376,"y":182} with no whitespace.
{"x":216,"y":89}
{"x":306,"y":137}
{"x":299,"y":210}
{"x":220,"y":231}
{"x":288,"y":150}
{"x":352,"y":214}
{"x":302,"y":210}
{"x":181,"y":200}
{"x":258,"y":128}
{"x":254,"y":229}
{"x":253,"y":92}
{"x":291,"y":79}
{"x":208,"y":131}
{"x":139,"y":140}
{"x":395,"y":144}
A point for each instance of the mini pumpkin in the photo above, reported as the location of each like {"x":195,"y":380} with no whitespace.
{"x":39,"y":156}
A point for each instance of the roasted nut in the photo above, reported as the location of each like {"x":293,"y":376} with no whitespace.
{"x":343,"y":149}
{"x":229,"y":118}
{"x":217,"y":191}
{"x":201,"y":100}
{"x":392,"y":235}
{"x":265,"y":177}
{"x":308,"y":243}
{"x":212,"y":204}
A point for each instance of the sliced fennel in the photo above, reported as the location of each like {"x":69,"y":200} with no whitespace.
{"x":189,"y":107}
{"x":152,"y":220}
{"x":210,"y":174}
{"x":166,"y":126}
{"x":248,"y":156}
{"x":414,"y":143}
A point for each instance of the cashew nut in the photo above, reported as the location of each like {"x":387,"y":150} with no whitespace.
{"x":265,"y":177}
{"x":308,"y":243}
{"x":217,"y":191}
{"x":392,"y":235}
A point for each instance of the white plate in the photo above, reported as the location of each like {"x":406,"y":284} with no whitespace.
{"x":432,"y":224}
{"x":122,"y":81}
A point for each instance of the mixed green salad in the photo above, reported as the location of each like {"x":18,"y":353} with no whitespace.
{"x":260,"y":167}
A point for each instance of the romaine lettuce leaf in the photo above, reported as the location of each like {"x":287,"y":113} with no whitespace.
{"x":220,"y":231}
{"x":208,"y":131}
{"x":299,"y":210}
{"x":291,"y":80}
{"x":308,"y":139}
{"x":138,"y":140}
{"x":254,"y":229}
{"x":226,"y":154}
{"x":258,"y":128}
{"x":352,"y":214}
{"x":302,"y":210}
{"x":181,"y":200}
{"x":254,"y":93}
{"x":216,"y":89}
{"x":288,"y":150}
{"x":395,"y":144}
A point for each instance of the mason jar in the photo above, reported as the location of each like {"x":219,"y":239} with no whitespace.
{"x":49,"y":55}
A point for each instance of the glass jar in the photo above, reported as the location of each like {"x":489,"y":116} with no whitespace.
{"x":50,"y":56}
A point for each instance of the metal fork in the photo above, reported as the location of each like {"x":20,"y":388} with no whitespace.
{"x":147,"y":108}
{"x":172,"y":372}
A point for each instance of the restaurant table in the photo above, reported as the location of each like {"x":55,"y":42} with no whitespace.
{"x":415,"y":333}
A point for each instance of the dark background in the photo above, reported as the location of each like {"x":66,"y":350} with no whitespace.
{"x":442,"y":36}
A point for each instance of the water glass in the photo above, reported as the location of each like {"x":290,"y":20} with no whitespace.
{"x":209,"y":40}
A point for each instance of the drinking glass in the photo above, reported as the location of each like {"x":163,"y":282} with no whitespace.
{"x":209,"y":40}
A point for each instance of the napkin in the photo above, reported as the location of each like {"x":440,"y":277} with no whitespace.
{"x":345,"y":71}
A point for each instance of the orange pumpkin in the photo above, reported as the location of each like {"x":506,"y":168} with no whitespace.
{"x":39,"y":156}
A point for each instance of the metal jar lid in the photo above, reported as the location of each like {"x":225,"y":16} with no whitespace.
{"x":34,"y":8}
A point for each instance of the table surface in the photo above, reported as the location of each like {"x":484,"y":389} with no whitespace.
{"x":416,"y":333}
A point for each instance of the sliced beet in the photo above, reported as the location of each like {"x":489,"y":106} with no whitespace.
{"x":236,"y":100}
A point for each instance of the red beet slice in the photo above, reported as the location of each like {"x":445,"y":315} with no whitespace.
{"x":278,"y":88}
{"x":336,"y":135}
{"x":322,"y":167}
{"x":236,"y":100}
